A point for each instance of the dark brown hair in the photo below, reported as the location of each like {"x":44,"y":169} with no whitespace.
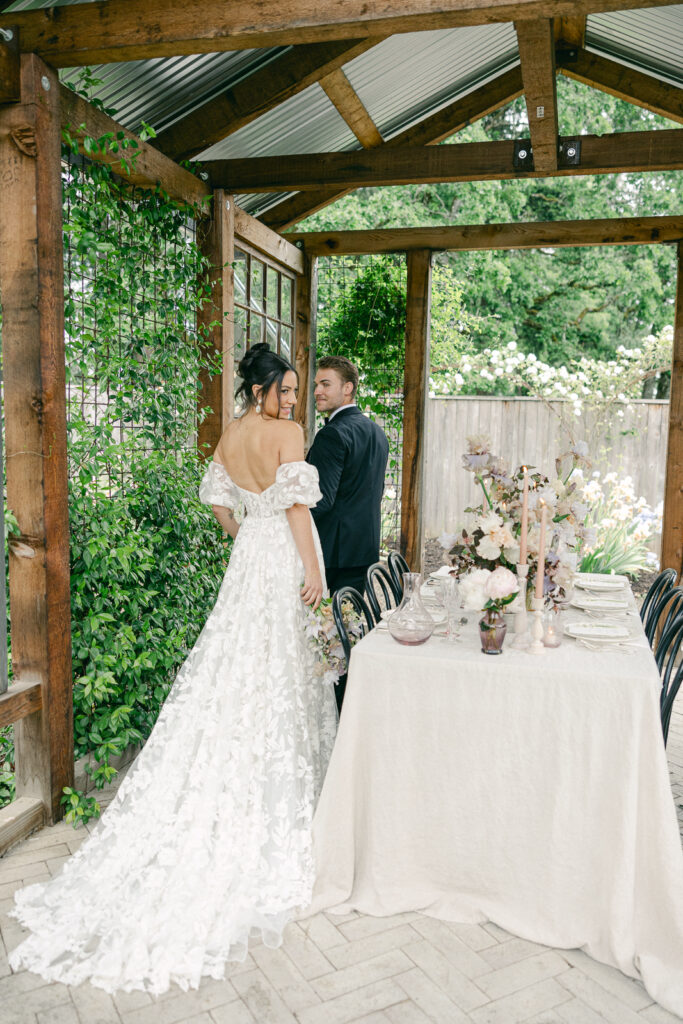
{"x":263,"y":367}
{"x":344,"y":367}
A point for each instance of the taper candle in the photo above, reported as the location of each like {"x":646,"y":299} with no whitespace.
{"x":540,"y":572}
{"x":525,"y":518}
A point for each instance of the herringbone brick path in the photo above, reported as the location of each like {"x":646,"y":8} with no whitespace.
{"x":408,"y":969}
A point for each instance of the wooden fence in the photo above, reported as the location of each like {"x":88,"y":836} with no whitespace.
{"x":527,"y":430}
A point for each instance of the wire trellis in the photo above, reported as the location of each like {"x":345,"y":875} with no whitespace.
{"x":123,"y":305}
{"x":336,"y":278}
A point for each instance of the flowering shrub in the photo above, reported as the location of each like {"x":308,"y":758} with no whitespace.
{"x":624,"y":524}
{"x":591,"y":381}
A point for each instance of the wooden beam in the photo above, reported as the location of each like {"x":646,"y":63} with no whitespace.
{"x":415,"y":392}
{"x":215,"y":238}
{"x":305,"y":344}
{"x":84,"y":121}
{"x":32,"y":287}
{"x":570,"y":31}
{"x":428,"y":132}
{"x":10,"y":74}
{"x":20,"y":700}
{"x":472,"y":161}
{"x":255,"y":95}
{"x":348,"y":103}
{"x":250,"y":230}
{"x":105,"y":33}
{"x":623,"y":82}
{"x":470,"y":237}
{"x":537,"y":54}
{"x":672,"y":526}
{"x":18,"y":820}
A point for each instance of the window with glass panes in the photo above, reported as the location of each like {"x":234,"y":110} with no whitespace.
{"x":264,"y":304}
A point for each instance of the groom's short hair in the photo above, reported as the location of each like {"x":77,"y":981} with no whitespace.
{"x":344,"y":367}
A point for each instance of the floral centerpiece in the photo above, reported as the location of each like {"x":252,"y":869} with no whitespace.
{"x":492,"y":537}
{"x":323,"y":637}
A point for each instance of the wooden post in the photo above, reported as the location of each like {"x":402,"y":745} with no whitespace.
{"x":305,"y":339}
{"x":216,"y":240}
{"x":32,"y":286}
{"x":415,"y":391}
{"x":672,"y":527}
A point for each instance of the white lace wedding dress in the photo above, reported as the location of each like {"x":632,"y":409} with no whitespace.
{"x":208,"y":840}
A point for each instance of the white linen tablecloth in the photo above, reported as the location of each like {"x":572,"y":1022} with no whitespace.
{"x":528,"y":791}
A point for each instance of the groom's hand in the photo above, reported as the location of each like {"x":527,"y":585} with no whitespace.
{"x":312,"y":590}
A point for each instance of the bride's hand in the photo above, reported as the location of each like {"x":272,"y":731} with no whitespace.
{"x":312,"y":590}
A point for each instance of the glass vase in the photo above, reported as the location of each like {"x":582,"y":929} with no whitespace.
{"x":492,"y":630}
{"x":411,"y":623}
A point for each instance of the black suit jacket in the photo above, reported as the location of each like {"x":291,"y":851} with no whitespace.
{"x":350,"y":454}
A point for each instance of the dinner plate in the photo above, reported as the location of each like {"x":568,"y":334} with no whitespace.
{"x":595,"y":603}
{"x":591,"y":578}
{"x":607,"y":584}
{"x":608,"y":632}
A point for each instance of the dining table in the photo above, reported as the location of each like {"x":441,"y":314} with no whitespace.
{"x":531,"y":791}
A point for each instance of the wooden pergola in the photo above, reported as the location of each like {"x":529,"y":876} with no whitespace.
{"x":323,"y":36}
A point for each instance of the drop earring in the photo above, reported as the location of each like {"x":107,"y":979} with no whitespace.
{"x":258,"y":407}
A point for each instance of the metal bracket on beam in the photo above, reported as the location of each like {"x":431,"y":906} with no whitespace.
{"x":566,"y":55}
{"x":569,"y":152}
{"x":523,"y":155}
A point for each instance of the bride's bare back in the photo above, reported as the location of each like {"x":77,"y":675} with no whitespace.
{"x":253,"y":446}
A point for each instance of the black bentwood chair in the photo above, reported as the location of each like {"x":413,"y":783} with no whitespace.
{"x":347,"y":595}
{"x":397,"y":566}
{"x":662,"y":613}
{"x":379,"y":576}
{"x":667,"y":657}
{"x":664,"y":581}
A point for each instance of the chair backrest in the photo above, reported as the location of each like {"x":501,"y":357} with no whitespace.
{"x":667,"y":655}
{"x":397,"y":566}
{"x":667,"y":700}
{"x":667,"y":606}
{"x":664,"y":581}
{"x":379,"y":575}
{"x":352,"y":597}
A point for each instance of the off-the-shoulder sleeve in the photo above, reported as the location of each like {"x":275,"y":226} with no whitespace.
{"x":296,"y":483}
{"x":217,"y":488}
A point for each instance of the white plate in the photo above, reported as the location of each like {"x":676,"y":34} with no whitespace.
{"x":594,"y":603}
{"x":609,"y":632}
{"x":606,"y":585}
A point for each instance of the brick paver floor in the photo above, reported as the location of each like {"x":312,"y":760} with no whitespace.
{"x":408,"y":969}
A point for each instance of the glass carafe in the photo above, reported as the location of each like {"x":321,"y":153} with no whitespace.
{"x":411,"y":623}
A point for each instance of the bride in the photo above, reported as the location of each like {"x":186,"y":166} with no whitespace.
{"x":208,"y":840}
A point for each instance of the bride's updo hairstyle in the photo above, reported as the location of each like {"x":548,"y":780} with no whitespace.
{"x":264,"y":368}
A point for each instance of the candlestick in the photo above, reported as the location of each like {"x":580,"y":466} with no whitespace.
{"x":521,"y":640}
{"x":536,"y":645}
{"x":540,"y":570}
{"x":525,"y":517}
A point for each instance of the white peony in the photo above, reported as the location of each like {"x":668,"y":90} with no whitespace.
{"x":489,"y":522}
{"x":501,"y":583}
{"x":472,"y":590}
{"x":488,"y":548}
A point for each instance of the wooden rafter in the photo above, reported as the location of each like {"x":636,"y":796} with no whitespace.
{"x":537,"y":55}
{"x":464,"y":237}
{"x":473,"y":161}
{"x":623,"y":82}
{"x":253,"y":96}
{"x":125,"y":30}
{"x":348,"y":103}
{"x":431,"y":130}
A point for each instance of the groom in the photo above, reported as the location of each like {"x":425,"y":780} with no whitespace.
{"x":350,"y":454}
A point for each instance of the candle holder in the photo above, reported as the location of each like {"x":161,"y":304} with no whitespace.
{"x":536,"y":645}
{"x":521,"y":639}
{"x":553,"y":628}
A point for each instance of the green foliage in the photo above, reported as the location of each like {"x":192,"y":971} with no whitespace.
{"x":559,"y":304}
{"x":6,"y":765}
{"x":78,"y":807}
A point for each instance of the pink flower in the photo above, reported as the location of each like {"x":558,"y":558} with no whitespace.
{"x":501,"y":583}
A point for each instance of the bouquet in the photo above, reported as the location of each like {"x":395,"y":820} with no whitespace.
{"x":492,"y":537}
{"x":323,"y":637}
